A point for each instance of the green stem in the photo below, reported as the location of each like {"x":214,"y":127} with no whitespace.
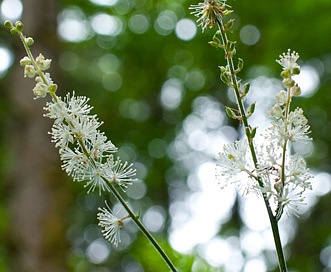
{"x":278,"y":243}
{"x":142,"y":227}
{"x":235,"y":85}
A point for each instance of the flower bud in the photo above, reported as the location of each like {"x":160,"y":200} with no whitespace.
{"x":278,"y":187}
{"x":295,"y":90}
{"x":288,"y":82}
{"x":25,"y":61}
{"x":29,"y":41}
{"x":296,"y":70}
{"x":281,"y":97}
{"x":40,"y":90}
{"x":285,"y":73}
{"x":52,"y":88}
{"x":19,"y":26}
{"x":13,"y":31}
{"x":8,"y":24}
{"x":230,"y":113}
{"x":229,"y":24}
{"x":29,"y":71}
{"x":43,"y":63}
{"x":275,"y":111}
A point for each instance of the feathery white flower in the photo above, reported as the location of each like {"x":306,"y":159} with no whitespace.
{"x":233,"y":160}
{"x":290,"y":200}
{"x":111,"y":225}
{"x":118,"y":172}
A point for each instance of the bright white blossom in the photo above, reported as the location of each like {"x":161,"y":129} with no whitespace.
{"x":295,"y":128}
{"x":289,"y":60}
{"x":290,"y":200}
{"x":232,"y":161}
{"x":120,"y":173}
{"x":85,"y":151}
{"x":111,"y":225}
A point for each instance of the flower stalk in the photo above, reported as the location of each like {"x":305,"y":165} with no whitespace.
{"x":86,"y":152}
{"x":268,"y":167}
{"x":234,"y":84}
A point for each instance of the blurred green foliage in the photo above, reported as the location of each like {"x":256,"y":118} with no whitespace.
{"x":134,"y":116}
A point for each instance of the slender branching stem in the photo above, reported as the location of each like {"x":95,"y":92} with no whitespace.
{"x":235,"y":85}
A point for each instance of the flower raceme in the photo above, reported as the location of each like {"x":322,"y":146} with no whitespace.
{"x":86,"y":153}
{"x":283,"y":177}
{"x":263,"y":167}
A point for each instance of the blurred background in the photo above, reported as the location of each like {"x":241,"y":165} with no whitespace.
{"x":154,"y":81}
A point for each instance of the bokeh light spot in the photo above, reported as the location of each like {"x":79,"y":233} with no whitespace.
{"x":135,"y":110}
{"x":98,"y":251}
{"x":72,"y":25}
{"x":195,"y":80}
{"x":186,"y":29}
{"x":154,"y":218}
{"x":256,"y":265}
{"x":165,"y":22}
{"x":108,"y":3}
{"x":325,"y":256}
{"x":138,"y":23}
{"x":171,"y":94}
{"x":108,"y":62}
{"x":11,"y":10}
{"x":112,"y":81}
{"x":308,"y":80}
{"x":105,"y":24}
{"x":249,"y":34}
{"x":137,"y":190}
{"x":6,"y":58}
